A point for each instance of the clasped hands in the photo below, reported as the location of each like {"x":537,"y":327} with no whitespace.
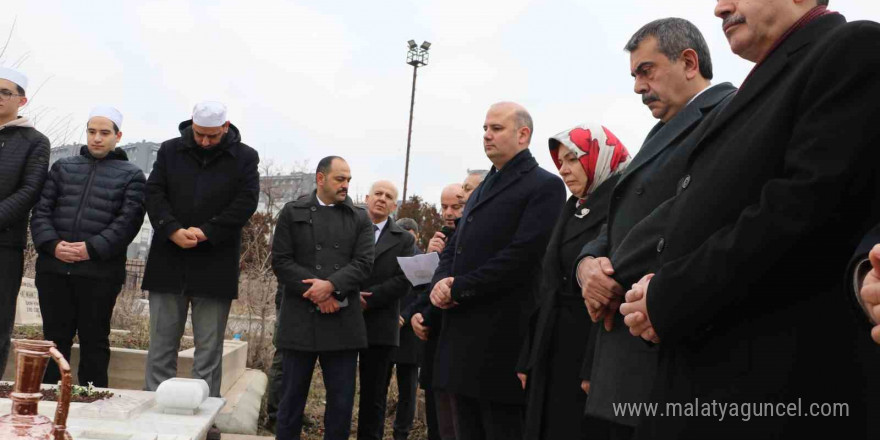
{"x":189,"y":237}
{"x":71,"y":252}
{"x":321,"y":293}
{"x":441,"y":294}
{"x":603,"y":297}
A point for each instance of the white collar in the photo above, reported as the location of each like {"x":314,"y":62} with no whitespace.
{"x":320,"y":202}
{"x":699,"y":93}
{"x":381,"y":225}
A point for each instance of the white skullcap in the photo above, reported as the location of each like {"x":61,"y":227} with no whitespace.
{"x":209,"y":114}
{"x":105,"y":111}
{"x":14,"y":76}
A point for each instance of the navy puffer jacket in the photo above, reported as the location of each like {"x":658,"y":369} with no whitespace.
{"x":98,"y":201}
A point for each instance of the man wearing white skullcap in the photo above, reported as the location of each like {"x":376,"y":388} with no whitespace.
{"x":24,"y":158}
{"x":203,"y":189}
{"x":91,"y":208}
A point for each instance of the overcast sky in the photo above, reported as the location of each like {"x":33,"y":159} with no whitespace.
{"x":307,"y":79}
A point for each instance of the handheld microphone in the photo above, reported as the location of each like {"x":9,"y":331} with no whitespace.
{"x":446,"y":231}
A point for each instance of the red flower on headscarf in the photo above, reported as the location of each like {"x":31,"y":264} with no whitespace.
{"x":585,"y":142}
{"x":620,"y":152}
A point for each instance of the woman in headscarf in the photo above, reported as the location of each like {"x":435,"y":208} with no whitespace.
{"x":590,"y":159}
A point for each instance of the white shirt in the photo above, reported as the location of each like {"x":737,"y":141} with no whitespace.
{"x":378,"y":232}
{"x":698,"y":94}
{"x":320,"y":202}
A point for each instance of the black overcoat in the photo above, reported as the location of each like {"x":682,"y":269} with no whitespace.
{"x":623,"y":366}
{"x":388,"y":284}
{"x":333,"y":243}
{"x":217,"y":193}
{"x":495,"y":258}
{"x":778,"y":192}
{"x":561,"y":305}
{"x":410,"y":349}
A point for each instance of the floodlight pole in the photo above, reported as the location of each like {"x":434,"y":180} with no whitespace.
{"x":416,"y":57}
{"x":412,"y":104}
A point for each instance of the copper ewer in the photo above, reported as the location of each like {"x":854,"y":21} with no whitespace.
{"x":24,"y":422}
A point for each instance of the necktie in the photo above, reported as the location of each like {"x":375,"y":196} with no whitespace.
{"x":375,"y":235}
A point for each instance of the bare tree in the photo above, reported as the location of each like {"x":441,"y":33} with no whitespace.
{"x":258,"y":284}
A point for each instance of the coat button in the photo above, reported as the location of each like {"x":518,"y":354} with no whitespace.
{"x":686,"y":181}
{"x":565,"y":279}
{"x":660,"y":245}
{"x":318,"y":267}
{"x":470,"y":219}
{"x":317,"y":247}
{"x":458,"y":251}
{"x":161,"y":222}
{"x":336,"y":266}
{"x":640,"y":190}
{"x":336,"y":246}
{"x":314,"y":209}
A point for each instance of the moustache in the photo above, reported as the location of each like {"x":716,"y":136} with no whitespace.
{"x":732,"y":20}
{"x":342,"y":191}
{"x":649,"y":98}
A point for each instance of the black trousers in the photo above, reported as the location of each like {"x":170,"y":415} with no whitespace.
{"x":407,"y":387}
{"x":74,"y":305}
{"x":339,"y":369}
{"x":484,"y":420}
{"x":11,"y":268}
{"x":597,"y":428}
{"x":375,"y":361}
{"x":431,"y":415}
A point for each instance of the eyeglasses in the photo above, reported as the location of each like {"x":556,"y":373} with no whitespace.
{"x":6,"y":94}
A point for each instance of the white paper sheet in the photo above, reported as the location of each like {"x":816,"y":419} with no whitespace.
{"x":420,"y":268}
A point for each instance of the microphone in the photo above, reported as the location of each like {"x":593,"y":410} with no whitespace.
{"x":446,"y":231}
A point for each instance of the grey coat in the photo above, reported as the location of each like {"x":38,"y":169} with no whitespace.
{"x":388,"y":285}
{"x":329,"y":243}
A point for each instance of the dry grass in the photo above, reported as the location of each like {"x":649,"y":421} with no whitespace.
{"x":313,"y":419}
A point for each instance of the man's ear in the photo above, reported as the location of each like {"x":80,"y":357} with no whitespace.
{"x":524,"y":135}
{"x":118,"y":136}
{"x":691,"y":63}
{"x":22,"y":101}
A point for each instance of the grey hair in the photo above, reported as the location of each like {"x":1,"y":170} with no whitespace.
{"x":524,"y":119}
{"x":481,"y":173}
{"x":408,"y":224}
{"x":674,"y":36}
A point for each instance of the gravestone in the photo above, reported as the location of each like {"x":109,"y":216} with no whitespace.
{"x":27,"y":309}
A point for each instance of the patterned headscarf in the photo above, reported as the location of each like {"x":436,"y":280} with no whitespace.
{"x":598,"y":150}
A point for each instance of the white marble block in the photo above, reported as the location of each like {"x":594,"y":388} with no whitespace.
{"x":181,"y":396}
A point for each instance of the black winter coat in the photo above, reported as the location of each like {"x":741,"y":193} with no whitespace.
{"x":388,"y":284}
{"x":495,"y":258}
{"x":624,"y":366}
{"x":778,"y":193}
{"x":216,"y":191}
{"x":333,"y":243}
{"x":24,"y":162}
{"x":98,"y":201}
{"x":562,"y":326}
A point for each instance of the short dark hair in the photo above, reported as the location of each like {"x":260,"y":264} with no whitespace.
{"x":674,"y":36}
{"x":821,"y":2}
{"x":325,"y":164}
{"x":19,"y":90}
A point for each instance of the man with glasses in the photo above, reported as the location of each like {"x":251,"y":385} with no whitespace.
{"x":24,"y":160}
